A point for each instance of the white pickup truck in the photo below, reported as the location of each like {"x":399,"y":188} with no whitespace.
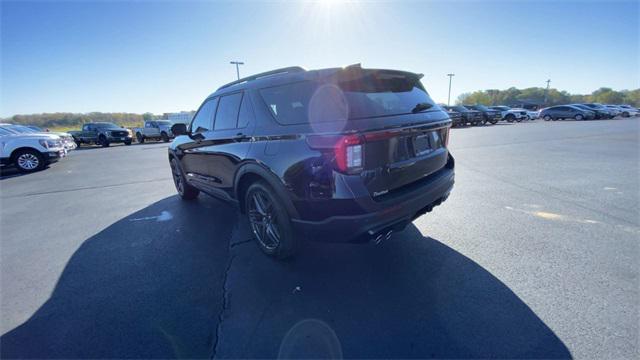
{"x":154,"y":130}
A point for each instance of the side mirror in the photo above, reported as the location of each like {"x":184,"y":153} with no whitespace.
{"x":179,"y":129}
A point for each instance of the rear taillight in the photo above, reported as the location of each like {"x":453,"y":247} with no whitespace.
{"x":348,"y":150}
{"x":445,"y":136}
{"x":349,"y":154}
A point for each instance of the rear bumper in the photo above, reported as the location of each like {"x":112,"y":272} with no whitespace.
{"x":365,"y":227}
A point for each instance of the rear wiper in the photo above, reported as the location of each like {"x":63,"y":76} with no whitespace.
{"x":421,"y":107}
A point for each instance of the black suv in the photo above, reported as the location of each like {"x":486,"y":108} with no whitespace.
{"x":472,"y":117}
{"x":489,"y":115}
{"x":340,"y":154}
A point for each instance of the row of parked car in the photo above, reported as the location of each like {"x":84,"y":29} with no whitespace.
{"x":481,"y":115}
{"x":30,"y":148}
{"x":587,"y":111}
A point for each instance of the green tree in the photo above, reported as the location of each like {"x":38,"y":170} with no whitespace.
{"x":607,"y":96}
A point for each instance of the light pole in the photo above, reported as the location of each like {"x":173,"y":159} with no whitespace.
{"x":546,"y":91}
{"x":237,"y":64}
{"x":449,"y":97}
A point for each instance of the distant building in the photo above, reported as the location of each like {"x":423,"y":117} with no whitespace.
{"x":183,"y":117}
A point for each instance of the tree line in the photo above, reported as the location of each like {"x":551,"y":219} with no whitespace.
{"x":69,"y":120}
{"x":511,"y":96}
{"x":536,"y":95}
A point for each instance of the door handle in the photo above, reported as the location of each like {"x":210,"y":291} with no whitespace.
{"x":240,"y":137}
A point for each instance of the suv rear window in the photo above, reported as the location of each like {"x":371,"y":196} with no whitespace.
{"x":375,"y":94}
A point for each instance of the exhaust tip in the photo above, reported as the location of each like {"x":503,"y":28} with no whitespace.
{"x":388,"y":235}
{"x":378,"y":239}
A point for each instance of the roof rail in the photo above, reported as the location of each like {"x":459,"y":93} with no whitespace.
{"x":290,"y":69}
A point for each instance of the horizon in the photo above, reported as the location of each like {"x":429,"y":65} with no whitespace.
{"x":453,"y":101}
{"x":137,"y":57}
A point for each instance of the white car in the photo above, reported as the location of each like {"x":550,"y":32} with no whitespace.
{"x":29,"y":152}
{"x":626,"y":110}
{"x":67,"y":139}
{"x":510,"y":114}
{"x":530,"y":114}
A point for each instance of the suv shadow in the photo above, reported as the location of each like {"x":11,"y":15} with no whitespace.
{"x":157,"y":289}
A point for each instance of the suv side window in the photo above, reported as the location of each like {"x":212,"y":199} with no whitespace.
{"x":88,"y":127}
{"x":147,"y":124}
{"x":246,"y":112}
{"x":227,"y":114}
{"x":203,"y":120}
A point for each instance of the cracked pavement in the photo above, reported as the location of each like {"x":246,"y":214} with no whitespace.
{"x":535,"y":255}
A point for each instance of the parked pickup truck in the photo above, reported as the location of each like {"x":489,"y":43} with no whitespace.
{"x":101,"y":133}
{"x":154,"y":129}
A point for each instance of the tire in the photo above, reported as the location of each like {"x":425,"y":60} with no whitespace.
{"x":28,"y":160}
{"x":547,"y":118}
{"x":518,"y":119}
{"x":102,"y":140}
{"x":140,"y":138}
{"x":78,"y":142}
{"x":494,"y":121}
{"x":269,"y":221}
{"x":510,"y":118}
{"x":127,"y":142}
{"x":578,"y":117}
{"x":164,"y":136}
{"x":186,"y":191}
{"x":625,"y":114}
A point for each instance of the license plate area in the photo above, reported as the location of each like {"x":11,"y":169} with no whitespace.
{"x":426,"y":143}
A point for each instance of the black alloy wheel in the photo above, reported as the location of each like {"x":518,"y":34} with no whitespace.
{"x":186,"y":191}
{"x":269,"y":221}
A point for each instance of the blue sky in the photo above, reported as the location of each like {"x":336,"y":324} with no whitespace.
{"x":167,"y":56}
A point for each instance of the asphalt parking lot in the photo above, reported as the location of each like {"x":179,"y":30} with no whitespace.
{"x":535,"y":255}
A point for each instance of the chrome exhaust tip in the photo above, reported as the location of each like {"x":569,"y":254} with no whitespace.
{"x":378,"y":239}
{"x":388,"y":235}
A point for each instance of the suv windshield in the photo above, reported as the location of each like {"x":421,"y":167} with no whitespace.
{"x":376,"y":94}
{"x":20,"y":129}
{"x":4,"y":131}
{"x":164,"y":122}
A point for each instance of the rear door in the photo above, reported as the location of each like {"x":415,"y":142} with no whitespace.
{"x":151,"y":129}
{"x":89,"y":132}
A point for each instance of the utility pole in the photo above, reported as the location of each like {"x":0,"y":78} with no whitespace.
{"x":449,"y":97}
{"x":237,"y":64}
{"x":546,"y":92}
